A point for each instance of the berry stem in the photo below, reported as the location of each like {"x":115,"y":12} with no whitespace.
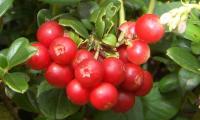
{"x":151,"y":8}
{"x":97,"y":52}
{"x":121,"y":13}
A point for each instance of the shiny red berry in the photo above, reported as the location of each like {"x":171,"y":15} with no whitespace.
{"x":104,"y":96}
{"x":128,"y":28}
{"x":89,"y":72}
{"x":63,"y":50}
{"x":149,"y":28}
{"x":113,"y":71}
{"x":138,"y":52}
{"x":41,"y":59}
{"x":133,"y":78}
{"x":49,"y":31}
{"x":123,"y":54}
{"x":59,"y":76}
{"x":125,"y":102}
{"x":146,"y":86}
{"x":80,"y":56}
{"x":76,"y":93}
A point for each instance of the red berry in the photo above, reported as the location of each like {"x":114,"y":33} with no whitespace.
{"x":76,"y":93}
{"x":63,"y":50}
{"x":138,"y":52}
{"x":41,"y":59}
{"x":125,"y":102}
{"x":80,"y":56}
{"x":104,"y":96}
{"x":128,"y":28}
{"x":123,"y":54}
{"x":113,"y":71}
{"x":89,"y":72}
{"x":146,"y":86}
{"x":133,"y":77}
{"x":58,"y":76}
{"x":149,"y":29}
{"x":49,"y":31}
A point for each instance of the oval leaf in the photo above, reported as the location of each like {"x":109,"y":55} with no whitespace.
{"x":188,"y":80}
{"x":3,"y":61}
{"x":19,"y":52}
{"x":168,"y":83}
{"x":17,"y":81}
{"x":54,"y":104}
{"x":160,"y":107}
{"x":5,"y":5}
{"x":77,"y":26}
{"x":184,"y":58}
{"x":43,"y":15}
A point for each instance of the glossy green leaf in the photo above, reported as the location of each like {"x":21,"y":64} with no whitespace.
{"x":184,"y":58}
{"x":5,"y":5}
{"x":43,"y":15}
{"x":19,"y":51}
{"x":54,"y":104}
{"x":192,"y":32}
{"x":169,"y":83}
{"x":110,"y":40}
{"x":136,"y":113}
{"x":3,"y":61}
{"x":77,"y":26}
{"x":62,"y":2}
{"x":75,"y":38}
{"x":188,"y":80}
{"x":17,"y":81}
{"x":160,"y":107}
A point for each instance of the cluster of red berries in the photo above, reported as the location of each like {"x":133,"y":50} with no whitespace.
{"x":111,"y":83}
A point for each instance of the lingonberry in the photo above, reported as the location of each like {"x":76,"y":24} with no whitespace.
{"x":128,"y":28}
{"x":49,"y":31}
{"x":76,"y":93}
{"x":113,"y":71}
{"x":133,"y":77}
{"x":125,"y":102}
{"x":123,"y":54}
{"x":138,"y":52}
{"x":149,"y":29}
{"x":104,"y":96}
{"x":41,"y":59}
{"x":89,"y":72}
{"x":81,"y":55}
{"x":146,"y":86}
{"x":63,"y":50}
{"x":59,"y":76}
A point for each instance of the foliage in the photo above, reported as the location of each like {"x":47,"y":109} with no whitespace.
{"x":174,"y":60}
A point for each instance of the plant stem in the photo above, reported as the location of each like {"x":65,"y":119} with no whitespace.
{"x":8,"y":103}
{"x":97,"y":52}
{"x":121,"y":13}
{"x":151,"y":8}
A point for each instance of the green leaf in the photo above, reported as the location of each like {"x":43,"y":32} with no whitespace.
{"x":17,"y":81}
{"x":62,"y":2}
{"x":54,"y":104}
{"x":136,"y":113}
{"x":160,"y":107}
{"x":19,"y":51}
{"x":75,"y":38}
{"x":26,"y":101}
{"x":43,"y":15}
{"x":165,"y":7}
{"x":192,"y":32}
{"x":195,"y":48}
{"x":184,"y":58}
{"x":77,"y":26}
{"x":110,"y":40}
{"x":168,"y":83}
{"x":188,"y":80}
{"x":3,"y":61}
{"x":4,"y":6}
